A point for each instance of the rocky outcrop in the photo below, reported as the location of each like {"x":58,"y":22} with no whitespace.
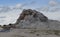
{"x":33,"y":19}
{"x":32,"y":14}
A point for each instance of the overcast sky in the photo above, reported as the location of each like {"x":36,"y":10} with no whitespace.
{"x":11,"y":9}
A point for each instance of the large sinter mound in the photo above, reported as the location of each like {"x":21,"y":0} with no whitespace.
{"x":34,"y":19}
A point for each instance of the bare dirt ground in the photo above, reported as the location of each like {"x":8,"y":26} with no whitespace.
{"x":26,"y":33}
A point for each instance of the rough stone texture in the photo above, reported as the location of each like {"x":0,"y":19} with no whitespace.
{"x":34,"y":19}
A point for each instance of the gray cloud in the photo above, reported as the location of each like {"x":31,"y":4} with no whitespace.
{"x":8,"y":8}
{"x":2,"y":17}
{"x":16,"y":7}
{"x":4,"y":9}
{"x":45,"y":9}
{"x":52,"y":7}
{"x":53,"y":3}
{"x":55,"y":10}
